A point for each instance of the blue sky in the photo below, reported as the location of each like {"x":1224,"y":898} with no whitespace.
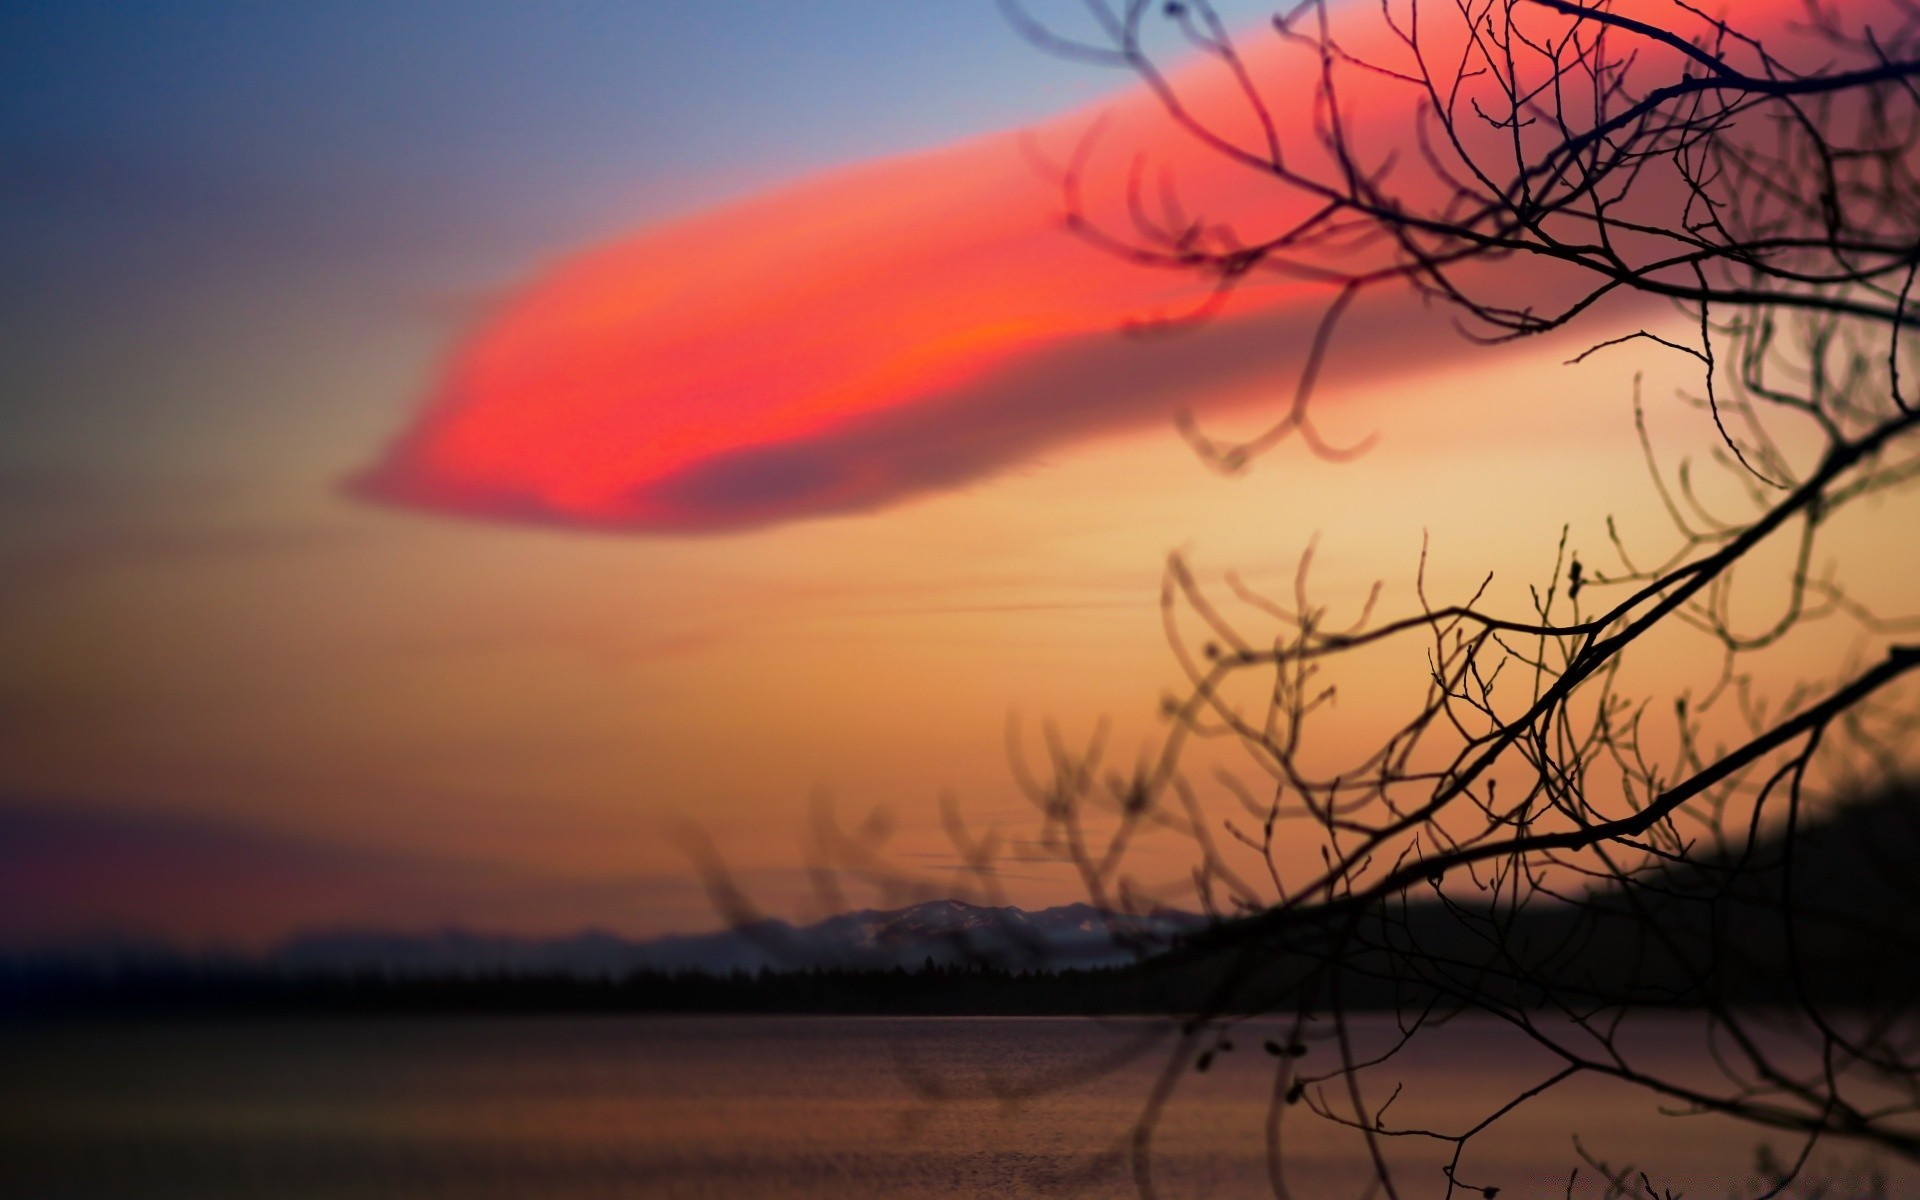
{"x":240,"y":238}
{"x":170,"y":174}
{"x":242,"y":241}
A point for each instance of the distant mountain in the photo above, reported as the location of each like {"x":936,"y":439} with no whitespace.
{"x":1831,"y":914}
{"x":947,"y":932}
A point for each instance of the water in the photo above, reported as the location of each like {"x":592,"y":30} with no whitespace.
{"x":760,"y":1108}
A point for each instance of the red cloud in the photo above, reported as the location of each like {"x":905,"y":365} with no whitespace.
{"x":882,"y":331}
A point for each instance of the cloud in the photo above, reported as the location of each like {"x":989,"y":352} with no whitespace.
{"x":80,"y":868}
{"x":902,"y":327}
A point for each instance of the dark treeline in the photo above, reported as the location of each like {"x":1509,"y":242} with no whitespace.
{"x":189,"y":989}
{"x":1428,"y":955}
{"x":1423,"y":956}
{"x":1838,"y":922}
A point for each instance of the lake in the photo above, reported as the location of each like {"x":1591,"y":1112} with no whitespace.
{"x":783,"y":1108}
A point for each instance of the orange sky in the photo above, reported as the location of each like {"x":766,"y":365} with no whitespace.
{"x":930,"y":484}
{"x":909,"y":325}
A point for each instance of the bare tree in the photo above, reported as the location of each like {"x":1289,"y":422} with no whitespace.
{"x":1524,"y":842}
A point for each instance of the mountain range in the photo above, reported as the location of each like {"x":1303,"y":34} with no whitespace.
{"x":945,"y":932}
{"x":1827,"y":914}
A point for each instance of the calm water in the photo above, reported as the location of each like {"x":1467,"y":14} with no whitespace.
{"x":775,"y":1108}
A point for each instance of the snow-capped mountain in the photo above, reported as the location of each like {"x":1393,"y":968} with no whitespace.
{"x":947,"y":932}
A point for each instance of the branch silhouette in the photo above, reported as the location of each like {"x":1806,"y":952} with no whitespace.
{"x":1520,"y":845}
{"x":1535,"y":839}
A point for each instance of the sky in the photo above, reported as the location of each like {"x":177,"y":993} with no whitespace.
{"x":460,"y":455}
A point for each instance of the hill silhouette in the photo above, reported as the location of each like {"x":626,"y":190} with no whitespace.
{"x":1829,"y":912}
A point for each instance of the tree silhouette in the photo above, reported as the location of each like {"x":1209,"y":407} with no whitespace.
{"x":1523,"y":843}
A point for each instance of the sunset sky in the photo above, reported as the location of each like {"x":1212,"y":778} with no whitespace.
{"x":454,"y":449}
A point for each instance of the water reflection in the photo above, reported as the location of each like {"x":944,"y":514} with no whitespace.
{"x":774,"y":1108}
